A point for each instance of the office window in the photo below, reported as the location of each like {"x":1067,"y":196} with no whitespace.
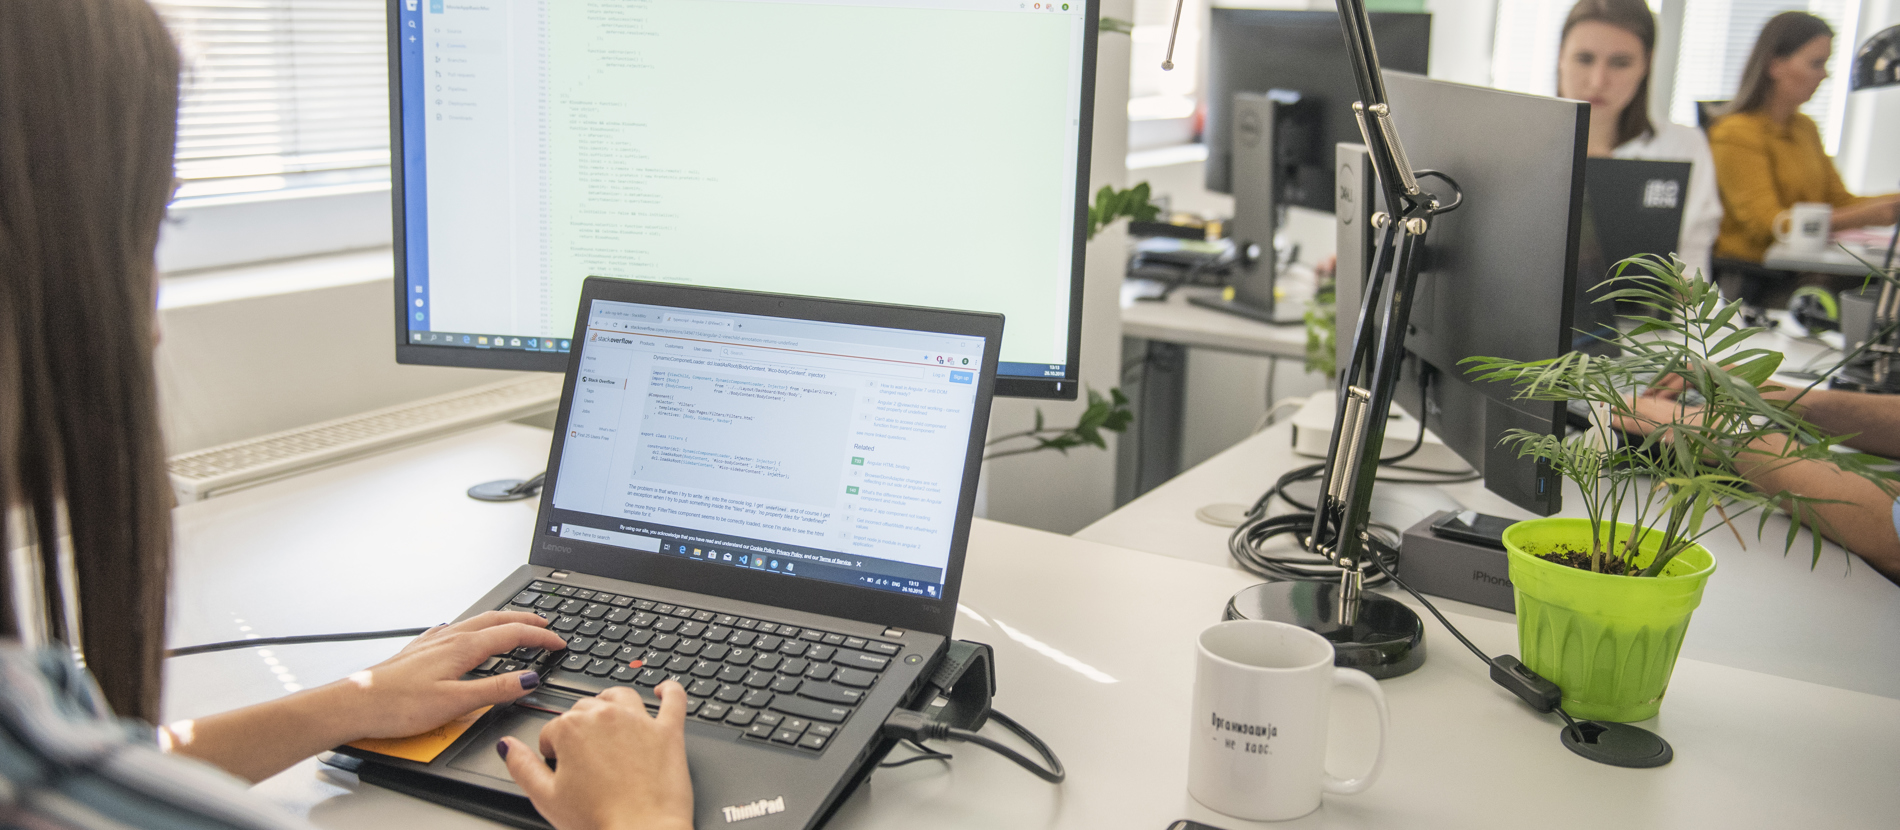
{"x":280,"y":94}
{"x":1155,"y":93}
{"x":1717,"y":37}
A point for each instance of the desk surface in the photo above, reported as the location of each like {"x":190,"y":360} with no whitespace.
{"x":1829,"y":260}
{"x":1762,"y":611}
{"x":1094,"y":649}
{"x":1175,"y":320}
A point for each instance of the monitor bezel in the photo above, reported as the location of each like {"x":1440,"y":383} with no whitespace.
{"x":1064,"y":388}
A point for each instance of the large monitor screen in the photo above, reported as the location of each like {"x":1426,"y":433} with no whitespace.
{"x":918,"y":152}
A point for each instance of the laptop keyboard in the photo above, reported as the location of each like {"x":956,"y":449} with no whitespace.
{"x":774,"y":683}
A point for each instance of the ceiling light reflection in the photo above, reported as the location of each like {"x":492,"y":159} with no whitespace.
{"x":1056,"y":655}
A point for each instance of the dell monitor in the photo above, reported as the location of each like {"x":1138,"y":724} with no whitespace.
{"x":1499,"y":276}
{"x":916,"y":152}
{"x":1256,"y":50}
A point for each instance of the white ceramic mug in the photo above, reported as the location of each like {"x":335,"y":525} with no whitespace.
{"x":1262,"y":695}
{"x":1805,"y":226}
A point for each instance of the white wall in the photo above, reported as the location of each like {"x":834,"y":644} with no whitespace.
{"x":1870,"y":139}
{"x":1048,"y":490}
{"x":248,"y":366}
{"x":1461,"y":40}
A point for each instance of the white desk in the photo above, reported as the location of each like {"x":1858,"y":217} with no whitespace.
{"x":1176,"y":320}
{"x":1156,"y":336}
{"x":1762,"y":611}
{"x":390,"y":541}
{"x":1829,"y":260}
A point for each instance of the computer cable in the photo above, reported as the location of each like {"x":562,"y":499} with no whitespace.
{"x":916,"y":727}
{"x":1616,"y":744}
{"x":262,"y":642}
{"x":1248,"y":543}
{"x":924,"y":754}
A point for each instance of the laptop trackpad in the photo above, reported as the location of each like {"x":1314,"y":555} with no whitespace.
{"x":480,"y":757}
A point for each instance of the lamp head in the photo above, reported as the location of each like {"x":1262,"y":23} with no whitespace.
{"x":1877,"y":64}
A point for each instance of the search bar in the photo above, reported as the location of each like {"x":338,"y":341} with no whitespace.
{"x":610,"y":537}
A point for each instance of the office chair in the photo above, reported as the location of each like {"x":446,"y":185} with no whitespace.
{"x":1707,"y":111}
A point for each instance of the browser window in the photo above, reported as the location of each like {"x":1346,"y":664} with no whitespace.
{"x":808,"y":449}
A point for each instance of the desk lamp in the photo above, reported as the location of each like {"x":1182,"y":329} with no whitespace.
{"x":1876,"y":65}
{"x":1371,"y":632}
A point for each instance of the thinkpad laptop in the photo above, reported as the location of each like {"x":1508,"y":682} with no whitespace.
{"x":765,"y":497}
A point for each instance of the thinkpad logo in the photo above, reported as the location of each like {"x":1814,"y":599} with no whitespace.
{"x":758,"y":808}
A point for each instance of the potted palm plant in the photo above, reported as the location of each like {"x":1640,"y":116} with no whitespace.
{"x":1603,"y":601}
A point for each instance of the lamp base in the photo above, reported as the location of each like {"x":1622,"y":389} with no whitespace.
{"x":1385,"y":640}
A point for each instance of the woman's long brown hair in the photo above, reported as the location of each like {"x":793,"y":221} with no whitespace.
{"x":1632,"y":16}
{"x":1783,"y":35}
{"x":88,"y":121}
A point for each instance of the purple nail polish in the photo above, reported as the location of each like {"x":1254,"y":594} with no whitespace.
{"x":530,"y":680}
{"x":501,"y":748}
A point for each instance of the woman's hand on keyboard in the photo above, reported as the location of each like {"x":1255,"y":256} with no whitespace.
{"x":421,"y":687}
{"x":619,"y":767}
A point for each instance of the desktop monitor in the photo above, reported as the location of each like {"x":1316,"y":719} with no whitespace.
{"x":1499,"y":276}
{"x":915,"y":152}
{"x":1256,"y":50}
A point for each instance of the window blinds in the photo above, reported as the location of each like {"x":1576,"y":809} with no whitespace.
{"x":280,"y":94}
{"x":1717,"y":36}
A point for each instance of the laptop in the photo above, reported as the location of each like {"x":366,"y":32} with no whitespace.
{"x":1630,"y":207}
{"x":765,"y":497}
{"x":1636,"y":205}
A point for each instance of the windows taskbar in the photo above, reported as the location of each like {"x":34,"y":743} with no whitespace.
{"x":488,"y":341}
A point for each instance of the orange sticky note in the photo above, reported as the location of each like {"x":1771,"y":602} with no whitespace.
{"x":424,"y":747}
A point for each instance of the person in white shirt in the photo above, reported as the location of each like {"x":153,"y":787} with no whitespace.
{"x":1604,"y":59}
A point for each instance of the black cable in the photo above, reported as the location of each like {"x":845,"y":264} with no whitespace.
{"x":261,"y":642}
{"x":1434,"y":609}
{"x":924,"y":754}
{"x":1507,"y":671}
{"x":1246,"y":544}
{"x":911,"y":725}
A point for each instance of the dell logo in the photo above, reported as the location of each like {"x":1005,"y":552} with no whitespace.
{"x":758,"y":808}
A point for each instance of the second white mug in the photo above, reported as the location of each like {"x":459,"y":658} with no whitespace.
{"x":1805,"y":226}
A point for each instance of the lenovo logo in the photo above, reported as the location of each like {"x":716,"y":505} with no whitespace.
{"x":758,"y":808}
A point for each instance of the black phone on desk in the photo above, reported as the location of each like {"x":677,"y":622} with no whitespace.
{"x":1473,"y":527}
{"x":1185,"y":824}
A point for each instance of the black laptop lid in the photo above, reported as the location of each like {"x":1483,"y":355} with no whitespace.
{"x":1635,"y":206}
{"x":805,"y":453}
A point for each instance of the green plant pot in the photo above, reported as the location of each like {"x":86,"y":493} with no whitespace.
{"x":1609,"y":642}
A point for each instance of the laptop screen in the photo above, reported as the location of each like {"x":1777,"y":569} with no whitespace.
{"x":809,"y":449}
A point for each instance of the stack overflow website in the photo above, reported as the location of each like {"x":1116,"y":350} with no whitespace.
{"x":807,"y":449}
{"x":921,"y":152}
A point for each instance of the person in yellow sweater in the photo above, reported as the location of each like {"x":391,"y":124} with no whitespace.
{"x":1768,"y":156}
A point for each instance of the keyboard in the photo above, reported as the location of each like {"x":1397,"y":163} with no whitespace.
{"x":774,"y":683}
